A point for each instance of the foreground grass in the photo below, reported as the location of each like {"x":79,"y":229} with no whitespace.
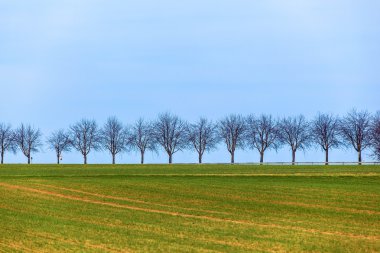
{"x":189,"y":208}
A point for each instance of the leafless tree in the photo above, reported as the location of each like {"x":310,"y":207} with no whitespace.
{"x":376,"y":136}
{"x":231,"y":130}
{"x":85,"y":137}
{"x":170,"y":133}
{"x":7,"y":140}
{"x":355,"y":129}
{"x":203,"y":136}
{"x":294,"y":131}
{"x":28,"y":139}
{"x":325,"y":133}
{"x":60,"y":142}
{"x":142,"y":137}
{"x":114,"y":137}
{"x":262,"y":134}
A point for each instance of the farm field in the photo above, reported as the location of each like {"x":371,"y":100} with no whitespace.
{"x":189,"y":208}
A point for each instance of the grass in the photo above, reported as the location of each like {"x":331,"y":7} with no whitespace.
{"x":189,"y":208}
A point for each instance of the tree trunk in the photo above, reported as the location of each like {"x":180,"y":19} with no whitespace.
{"x":85,"y":159}
{"x":293,"y":157}
{"x":360,"y":157}
{"x":261,"y":157}
{"x":327,"y":157}
{"x":232,"y":157}
{"x":58,"y":156}
{"x":113,"y":158}
{"x":200,"y":158}
{"x":142,"y":157}
{"x":2,"y":156}
{"x":170,"y":158}
{"x":29,"y":159}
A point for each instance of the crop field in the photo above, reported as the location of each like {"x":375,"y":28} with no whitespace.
{"x":189,"y":208}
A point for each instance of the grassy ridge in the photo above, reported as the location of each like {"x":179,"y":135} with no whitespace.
{"x":189,"y":208}
{"x":68,"y":170}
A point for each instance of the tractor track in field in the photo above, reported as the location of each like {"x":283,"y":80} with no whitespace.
{"x":231,"y":243}
{"x":13,"y":246}
{"x":307,"y":205}
{"x":184,"y":215}
{"x":51,"y":237}
{"x":128,"y":199}
{"x":287,"y":203}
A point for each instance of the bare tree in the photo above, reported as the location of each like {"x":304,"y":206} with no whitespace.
{"x":376,"y":136}
{"x":355,"y":129}
{"x":262,"y":133}
{"x":60,"y":142}
{"x":7,"y":140}
{"x":28,"y":139}
{"x":203,"y":136}
{"x":294,"y":131}
{"x":142,"y":137}
{"x":114,"y":137}
{"x":170,"y":133}
{"x":325,"y":133}
{"x":85,"y":137}
{"x":231,"y":130}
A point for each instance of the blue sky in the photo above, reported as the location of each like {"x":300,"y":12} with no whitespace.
{"x":64,"y":60}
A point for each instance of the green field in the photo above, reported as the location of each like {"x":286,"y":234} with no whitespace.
{"x":189,"y":208}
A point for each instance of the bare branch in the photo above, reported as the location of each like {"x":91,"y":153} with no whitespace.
{"x":325,"y":133}
{"x":60,"y":142}
{"x":376,"y":136}
{"x":114,"y":137}
{"x":294,"y":131}
{"x":203,"y":136}
{"x":142,"y":137}
{"x":231,"y":130}
{"x":7,"y":140}
{"x":28,"y":140}
{"x":170,"y":133}
{"x":355,"y":129}
{"x":85,"y":137}
{"x":262,"y":134}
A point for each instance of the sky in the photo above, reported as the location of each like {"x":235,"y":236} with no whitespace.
{"x":61,"y":61}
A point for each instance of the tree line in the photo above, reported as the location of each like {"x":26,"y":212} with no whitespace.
{"x":359,"y":130}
